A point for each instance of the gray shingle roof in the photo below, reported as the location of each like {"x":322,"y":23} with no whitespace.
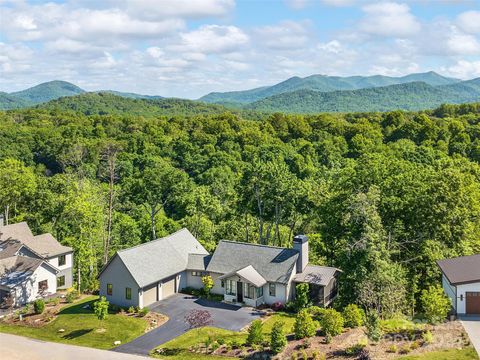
{"x":318,"y":275}
{"x":161,"y":258}
{"x":17,"y":269}
{"x":45,"y":245}
{"x":274,"y":264}
{"x":198,"y":261}
{"x":249,"y":274}
{"x":461,"y":270}
{"x":9,"y":248}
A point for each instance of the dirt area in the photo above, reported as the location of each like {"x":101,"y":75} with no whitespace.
{"x":153,"y":319}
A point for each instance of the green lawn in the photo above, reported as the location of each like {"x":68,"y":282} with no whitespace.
{"x":81,"y":327}
{"x":452,"y":354}
{"x":178,"y":348}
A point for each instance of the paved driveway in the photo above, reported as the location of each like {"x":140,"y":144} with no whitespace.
{"x":15,"y":347}
{"x":471,"y":325}
{"x":225,"y":316}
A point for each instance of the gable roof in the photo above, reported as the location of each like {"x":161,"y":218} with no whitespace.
{"x":318,"y":275}
{"x":274,"y":264}
{"x":249,"y":274}
{"x":9,"y":248}
{"x":198,"y":261}
{"x":161,"y":258}
{"x":461,"y":270}
{"x":45,"y":245}
{"x":15,"y":270}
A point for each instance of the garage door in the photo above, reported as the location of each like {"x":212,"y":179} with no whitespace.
{"x":168,"y":287}
{"x":149,"y":294}
{"x":473,"y":302}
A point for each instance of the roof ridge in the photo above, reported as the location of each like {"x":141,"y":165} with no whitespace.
{"x":260,"y":245}
{"x":151,"y":241}
{"x":459,"y":257}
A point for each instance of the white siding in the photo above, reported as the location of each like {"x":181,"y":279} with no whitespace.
{"x":68,"y":262}
{"x":28,"y":291}
{"x":461,"y":290}
{"x":194,"y":281}
{"x":182,"y":281}
{"x":217,"y":284}
{"x":449,"y":290}
{"x":290,"y":288}
{"x":280,"y":294}
{"x":117,"y":275}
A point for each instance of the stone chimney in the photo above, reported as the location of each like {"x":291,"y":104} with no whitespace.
{"x":300,"y":243}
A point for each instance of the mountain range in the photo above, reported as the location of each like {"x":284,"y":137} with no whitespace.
{"x":312,"y":94}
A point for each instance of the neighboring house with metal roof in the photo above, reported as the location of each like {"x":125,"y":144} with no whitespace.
{"x":461,"y":283}
{"x":32,"y":266}
{"x":242,"y":272}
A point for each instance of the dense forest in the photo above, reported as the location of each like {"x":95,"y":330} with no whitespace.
{"x":381,"y":195}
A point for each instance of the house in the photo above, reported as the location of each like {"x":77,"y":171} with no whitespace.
{"x":244,"y":273}
{"x":461,"y":282}
{"x":32,"y":266}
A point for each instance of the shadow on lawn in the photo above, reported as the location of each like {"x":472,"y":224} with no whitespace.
{"x":76,"y":333}
{"x":82,"y":308}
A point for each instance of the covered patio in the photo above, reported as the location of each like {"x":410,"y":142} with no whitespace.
{"x":244,"y":285}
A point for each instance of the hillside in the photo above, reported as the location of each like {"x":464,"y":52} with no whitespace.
{"x":8,"y":101}
{"x":108,"y":104}
{"x":409,"y":96}
{"x":47,"y":91}
{"x":130,"y":94}
{"x":324,"y":83}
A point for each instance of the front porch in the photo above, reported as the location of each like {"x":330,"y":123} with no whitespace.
{"x":244,"y":286}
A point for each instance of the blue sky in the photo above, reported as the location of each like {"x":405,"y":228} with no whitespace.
{"x":187,"y":48}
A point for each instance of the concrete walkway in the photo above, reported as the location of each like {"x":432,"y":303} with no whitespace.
{"x":225,"y":316}
{"x":13,"y":347}
{"x":471,"y":324}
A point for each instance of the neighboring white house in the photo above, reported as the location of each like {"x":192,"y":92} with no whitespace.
{"x":242,"y":272}
{"x":31,"y":266}
{"x":461,"y":282}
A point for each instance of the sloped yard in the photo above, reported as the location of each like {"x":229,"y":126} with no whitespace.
{"x":81,"y":327}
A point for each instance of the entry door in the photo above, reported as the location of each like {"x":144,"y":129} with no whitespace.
{"x":473,"y":302}
{"x":239,"y":291}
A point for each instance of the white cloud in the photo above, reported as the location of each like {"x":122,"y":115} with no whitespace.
{"x":284,"y":36}
{"x":469,"y":21}
{"x":389,"y":19}
{"x":212,"y":39}
{"x":14,"y":58}
{"x":338,"y":3}
{"x":463,"y":69}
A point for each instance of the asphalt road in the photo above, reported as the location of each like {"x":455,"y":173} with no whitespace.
{"x":13,"y":347}
{"x":225,"y":316}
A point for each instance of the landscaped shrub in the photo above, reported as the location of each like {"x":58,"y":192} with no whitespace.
{"x":353,"y":316}
{"x":277,"y":306}
{"x":55,"y":301}
{"x":427,"y":337}
{"x":302,"y":300}
{"x":316,"y":312}
{"x":355,"y":349}
{"x":303,"y":355}
{"x":374,"y":331}
{"x":304,"y":326}
{"x":143,"y":312}
{"x":39,"y":306}
{"x":392,"y":349}
{"x":100,"y":307}
{"x":435,"y":304}
{"x":255,"y":333}
{"x":208,"y":283}
{"x":278,"y":340}
{"x":72,"y":294}
{"x":414,"y":345}
{"x":405,"y":349}
{"x":290,"y":306}
{"x":331,"y":324}
{"x":317,"y":356}
{"x":131,"y":310}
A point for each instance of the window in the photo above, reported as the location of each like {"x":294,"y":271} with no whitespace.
{"x":223,"y":283}
{"x":42,"y":286}
{"x":109,"y":289}
{"x":61,"y":281}
{"x":231,"y":287}
{"x":250,"y":291}
{"x":272,"y":289}
{"x":62,"y":260}
{"x":199,"y":273}
{"x":128,"y":293}
{"x":259,"y":292}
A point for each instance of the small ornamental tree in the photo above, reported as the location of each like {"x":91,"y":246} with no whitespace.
{"x":198,"y":318}
{"x":374,"y":331}
{"x":304,"y":326}
{"x":331,"y":324}
{"x":353,"y":316}
{"x":435,"y":304}
{"x":100,"y":308}
{"x":278,"y":340}
{"x":207,"y":284}
{"x":255,"y":333}
{"x":302,"y":300}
